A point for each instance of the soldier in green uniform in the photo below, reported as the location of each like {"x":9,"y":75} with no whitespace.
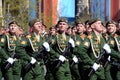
{"x":91,"y":50}
{"x":3,"y":55}
{"x":34,"y":41}
{"x":78,"y":38}
{"x":51,"y":36}
{"x":58,"y":46}
{"x":9,"y":41}
{"x":88,"y":28}
{"x":112,"y":70}
{"x":69,"y":30}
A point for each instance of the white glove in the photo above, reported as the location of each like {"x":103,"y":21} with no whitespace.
{"x":10,"y":60}
{"x":108,"y":58}
{"x":95,"y":66}
{"x":75,"y":59}
{"x":62,"y":58}
{"x":33,"y":61}
{"x":47,"y":46}
{"x":71,"y":41}
{"x":106,"y":47}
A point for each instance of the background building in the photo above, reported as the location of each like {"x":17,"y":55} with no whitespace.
{"x":51,"y":10}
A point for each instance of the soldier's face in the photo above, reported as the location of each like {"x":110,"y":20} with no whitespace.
{"x":97,"y":26}
{"x":88,"y":29}
{"x":52,"y":31}
{"x":74,"y":30}
{"x":69,"y":31}
{"x":37,"y":27}
{"x":13,"y":28}
{"x":62,"y":26}
{"x":111,"y":28}
{"x":80,"y":28}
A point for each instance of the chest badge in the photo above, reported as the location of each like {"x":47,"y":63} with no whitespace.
{"x":2,"y":39}
{"x":77,"y":43}
{"x":112,"y":42}
{"x":23,"y":42}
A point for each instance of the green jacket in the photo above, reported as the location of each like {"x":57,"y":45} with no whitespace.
{"x":114,"y":40}
{"x":90,"y":49}
{"x":58,"y":45}
{"x":12,"y":44}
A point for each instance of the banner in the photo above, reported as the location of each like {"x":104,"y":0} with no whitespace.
{"x":66,"y":8}
{"x":32,"y":9}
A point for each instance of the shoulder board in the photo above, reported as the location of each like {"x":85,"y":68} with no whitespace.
{"x":28,"y":36}
{"x":83,"y":36}
{"x":90,"y":36}
{"x":115,"y":35}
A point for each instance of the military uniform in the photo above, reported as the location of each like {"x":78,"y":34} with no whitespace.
{"x":76,"y":69}
{"x":89,"y":52}
{"x":49,"y":75}
{"x":112,"y":70}
{"x":3,"y":55}
{"x":33,"y":43}
{"x":58,"y":45}
{"x":9,"y":43}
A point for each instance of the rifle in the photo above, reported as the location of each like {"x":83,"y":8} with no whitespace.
{"x":64,"y":54}
{"x":37,"y":55}
{"x":72,"y":64}
{"x":97,"y":61}
{"x":8,"y":65}
{"x":107,"y":61}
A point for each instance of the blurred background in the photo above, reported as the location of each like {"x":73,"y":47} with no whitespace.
{"x":51,"y":10}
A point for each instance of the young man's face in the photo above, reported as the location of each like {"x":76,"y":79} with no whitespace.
{"x":97,"y":26}
{"x":62,"y":26}
{"x":88,"y":29}
{"x":52,"y":31}
{"x":80,"y":28}
{"x":13,"y":28}
{"x":74,"y":30}
{"x":37,"y":27}
{"x":111,"y":28}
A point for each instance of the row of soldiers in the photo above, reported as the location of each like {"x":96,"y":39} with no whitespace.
{"x":87,"y":51}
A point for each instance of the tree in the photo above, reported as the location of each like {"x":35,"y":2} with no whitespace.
{"x":18,"y":10}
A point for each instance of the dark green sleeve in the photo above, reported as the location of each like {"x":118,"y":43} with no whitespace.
{"x":20,"y":50}
{"x":21,"y":53}
{"x":3,"y":54}
{"x":82,"y":52}
{"x":3,"y":41}
{"x":115,"y":54}
{"x":53,"y":53}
